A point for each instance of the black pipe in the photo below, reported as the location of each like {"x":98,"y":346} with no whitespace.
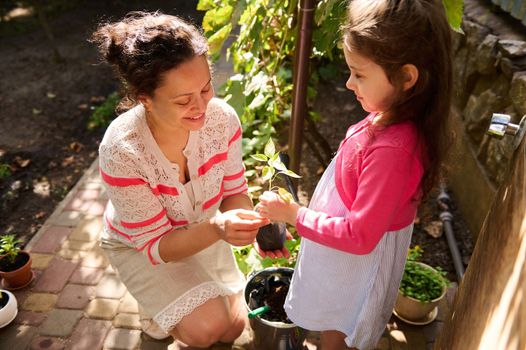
{"x":444,"y":200}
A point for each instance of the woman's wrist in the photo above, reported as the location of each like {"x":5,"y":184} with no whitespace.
{"x":217,"y":226}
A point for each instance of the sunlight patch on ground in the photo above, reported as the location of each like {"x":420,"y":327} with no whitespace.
{"x":17,"y":12}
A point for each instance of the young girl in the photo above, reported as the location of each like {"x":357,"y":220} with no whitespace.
{"x":357,"y":229}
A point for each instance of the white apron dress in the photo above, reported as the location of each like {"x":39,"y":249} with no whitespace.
{"x":335,"y":290}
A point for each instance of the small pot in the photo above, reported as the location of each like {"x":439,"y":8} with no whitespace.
{"x":17,"y":275}
{"x":272,"y":236}
{"x":413,"y":309}
{"x":8,"y":308}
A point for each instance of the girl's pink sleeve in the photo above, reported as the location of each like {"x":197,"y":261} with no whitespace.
{"x":389,"y":179}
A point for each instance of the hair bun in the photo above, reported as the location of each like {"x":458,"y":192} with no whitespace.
{"x":110,"y":39}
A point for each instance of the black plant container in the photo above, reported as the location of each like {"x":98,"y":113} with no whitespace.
{"x":272,"y":236}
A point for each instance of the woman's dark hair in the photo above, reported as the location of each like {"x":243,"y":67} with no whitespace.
{"x":143,"y":46}
{"x":393,"y":33}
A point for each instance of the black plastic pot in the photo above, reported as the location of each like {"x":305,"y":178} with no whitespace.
{"x":272,"y":236}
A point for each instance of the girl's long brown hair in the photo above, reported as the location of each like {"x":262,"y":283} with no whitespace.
{"x":393,"y":33}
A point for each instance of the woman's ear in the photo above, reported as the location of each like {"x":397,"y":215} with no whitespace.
{"x":145,"y":101}
{"x":410,"y":76}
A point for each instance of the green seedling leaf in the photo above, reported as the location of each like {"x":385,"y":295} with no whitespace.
{"x":278,"y":165}
{"x":270,"y":149}
{"x":285,"y":195}
{"x":260,"y":157}
{"x":291,"y":174}
{"x":267,"y":173}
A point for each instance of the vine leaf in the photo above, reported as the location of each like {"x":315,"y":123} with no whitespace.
{"x":270,"y":149}
{"x":218,"y":38}
{"x":454,"y":11}
{"x":205,"y":5}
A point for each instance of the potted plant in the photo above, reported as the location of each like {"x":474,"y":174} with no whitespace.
{"x":8,"y":307}
{"x":273,"y":235}
{"x":15,"y":264}
{"x":421,"y":289}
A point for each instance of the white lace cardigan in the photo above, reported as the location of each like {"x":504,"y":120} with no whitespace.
{"x":147,"y":200}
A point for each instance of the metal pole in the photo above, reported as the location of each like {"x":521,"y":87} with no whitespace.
{"x":300,"y":81}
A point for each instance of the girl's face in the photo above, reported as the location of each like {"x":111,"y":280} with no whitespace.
{"x":181,"y":100}
{"x":369,"y":82}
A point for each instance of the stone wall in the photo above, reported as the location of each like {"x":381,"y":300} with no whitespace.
{"x":490,"y":77}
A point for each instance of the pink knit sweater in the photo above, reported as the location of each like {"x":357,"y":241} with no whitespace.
{"x":378,"y":175}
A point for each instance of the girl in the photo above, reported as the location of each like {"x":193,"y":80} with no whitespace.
{"x":357,"y":229}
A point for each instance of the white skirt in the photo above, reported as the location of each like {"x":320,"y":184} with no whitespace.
{"x":168,"y":292}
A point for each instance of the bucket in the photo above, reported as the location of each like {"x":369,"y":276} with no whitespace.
{"x":271,"y":335}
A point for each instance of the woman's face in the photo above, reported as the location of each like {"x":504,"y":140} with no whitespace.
{"x":183,"y":95}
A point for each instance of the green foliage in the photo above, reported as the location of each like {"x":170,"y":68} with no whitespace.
{"x":10,"y":247}
{"x":262,"y":54}
{"x":105,"y":113}
{"x":5,"y":170}
{"x":419,"y":281}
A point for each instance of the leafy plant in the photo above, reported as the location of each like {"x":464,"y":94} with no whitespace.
{"x":421,"y":282}
{"x":5,"y":170}
{"x":247,"y":258}
{"x":272,"y":168}
{"x":104,"y":114}
{"x":10,"y":247}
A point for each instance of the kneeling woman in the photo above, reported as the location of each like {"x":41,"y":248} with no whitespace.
{"x":172,"y":166}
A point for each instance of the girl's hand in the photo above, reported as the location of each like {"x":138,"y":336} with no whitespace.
{"x":273,"y":207}
{"x":274,"y":254}
{"x":238,"y":227}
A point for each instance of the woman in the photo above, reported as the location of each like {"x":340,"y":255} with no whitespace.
{"x":173,"y":170}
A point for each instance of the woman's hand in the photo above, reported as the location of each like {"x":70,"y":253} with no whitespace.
{"x":238,"y":227}
{"x":274,"y":254}
{"x":273,"y":207}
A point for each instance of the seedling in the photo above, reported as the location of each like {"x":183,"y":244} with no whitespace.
{"x":273,"y":167}
{"x":272,"y":236}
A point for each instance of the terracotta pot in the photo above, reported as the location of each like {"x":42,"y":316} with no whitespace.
{"x":413,"y":309}
{"x":18,"y":277}
{"x":8,"y":308}
{"x":272,"y":236}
